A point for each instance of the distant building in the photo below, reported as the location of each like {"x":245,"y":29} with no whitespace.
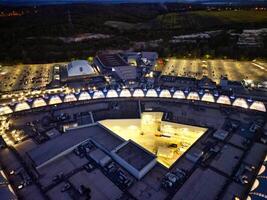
{"x":191,"y":38}
{"x":141,"y":59}
{"x":252,"y":38}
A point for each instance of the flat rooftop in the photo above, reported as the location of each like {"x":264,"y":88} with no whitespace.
{"x":135,"y":155}
{"x":202,"y":184}
{"x":227,"y":159}
{"x":52,"y":148}
{"x":101,"y":187}
{"x":111,"y":60}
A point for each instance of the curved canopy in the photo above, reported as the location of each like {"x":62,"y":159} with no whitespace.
{"x":98,"y":95}
{"x":112,"y":94}
{"x":125,"y":93}
{"x":55,"y":99}
{"x":84,"y":96}
{"x":178,"y":94}
{"x":260,"y":186}
{"x":138,"y":93}
{"x":70,"y":98}
{"x":255,"y":185}
{"x":151,"y":93}
{"x":240,"y":102}
{"x":224,"y":100}
{"x":193,"y":96}
{"x":5,"y":110}
{"x":22,"y":106}
{"x":39,"y":102}
{"x":208,"y":97}
{"x":262,"y":169}
{"x":258,"y":105}
{"x":165,"y":94}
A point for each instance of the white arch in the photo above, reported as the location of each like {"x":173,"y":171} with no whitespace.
{"x":258,"y":105}
{"x":98,"y":95}
{"x":165,"y":94}
{"x":70,"y":98}
{"x":84,"y":96}
{"x":22,"y":106}
{"x":39,"y":102}
{"x":240,"y":102}
{"x":255,"y":185}
{"x":125,"y":93}
{"x":55,"y":99}
{"x":138,"y":93}
{"x":193,"y":96}
{"x":178,"y":94}
{"x":5,"y":110}
{"x":112,"y":94}
{"x":208,"y":97}
{"x":223,"y":99}
{"x":151,"y":93}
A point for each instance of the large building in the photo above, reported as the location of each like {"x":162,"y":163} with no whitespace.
{"x":77,"y":70}
{"x":115,"y":65}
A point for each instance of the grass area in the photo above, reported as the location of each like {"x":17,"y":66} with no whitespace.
{"x":241,"y":16}
{"x":31,"y":37}
{"x":206,"y":19}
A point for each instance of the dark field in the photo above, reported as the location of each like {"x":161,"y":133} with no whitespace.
{"x":53,"y":33}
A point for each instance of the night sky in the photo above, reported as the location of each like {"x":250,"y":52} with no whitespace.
{"x":120,"y":1}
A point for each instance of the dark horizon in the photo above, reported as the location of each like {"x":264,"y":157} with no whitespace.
{"x":58,"y":2}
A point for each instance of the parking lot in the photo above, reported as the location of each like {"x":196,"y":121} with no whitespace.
{"x":23,"y":77}
{"x":214,"y":69}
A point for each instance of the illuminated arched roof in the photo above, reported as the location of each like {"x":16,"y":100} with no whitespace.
{"x":255,"y":185}
{"x":208,"y":97}
{"x":224,"y":100}
{"x":240,"y":102}
{"x":258,"y":105}
{"x":39,"y":102}
{"x":262,"y":169}
{"x":55,"y":99}
{"x":125,"y":93}
{"x":112,"y":94}
{"x":165,"y":94}
{"x":70,"y":98}
{"x":151,"y":93}
{"x":138,"y":93}
{"x":84,"y":96}
{"x":5,"y":110}
{"x":98,"y":95}
{"x":178,"y":94}
{"x":193,"y":96}
{"x":22,"y":106}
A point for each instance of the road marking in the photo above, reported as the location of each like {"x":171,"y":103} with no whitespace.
{"x":259,"y":66}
